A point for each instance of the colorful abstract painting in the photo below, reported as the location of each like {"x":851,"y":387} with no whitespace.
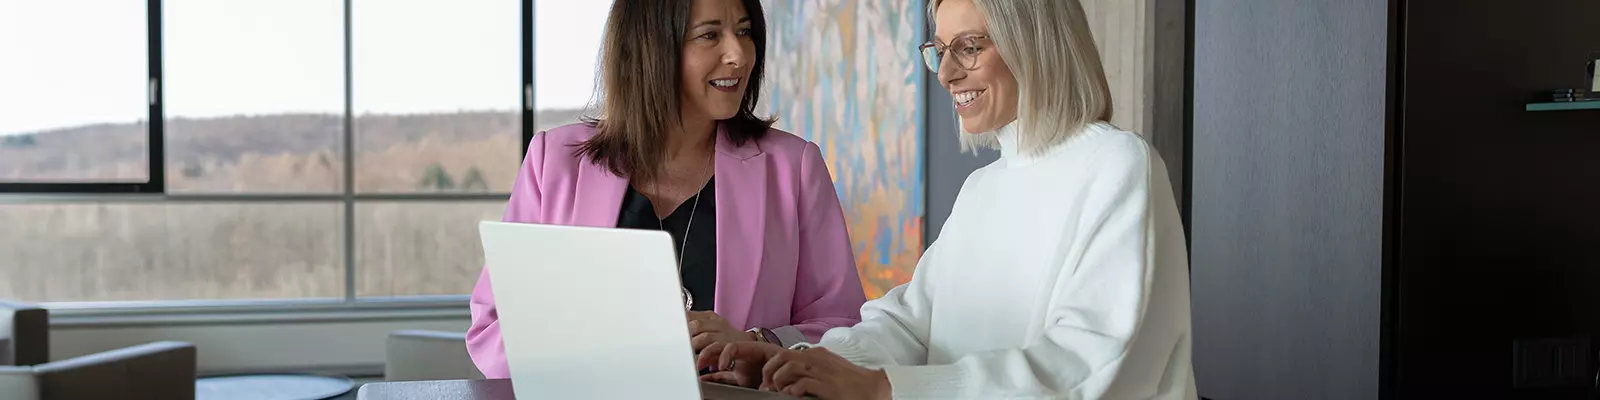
{"x":846,"y":74}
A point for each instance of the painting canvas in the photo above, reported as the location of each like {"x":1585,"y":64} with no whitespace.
{"x":846,"y":75}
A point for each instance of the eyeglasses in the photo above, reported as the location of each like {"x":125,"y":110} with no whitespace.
{"x":967,"y":48}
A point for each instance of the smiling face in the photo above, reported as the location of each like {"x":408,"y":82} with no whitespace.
{"x":718,"y":53}
{"x":970,"y":67}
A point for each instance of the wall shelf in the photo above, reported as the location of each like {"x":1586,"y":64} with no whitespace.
{"x":1564,"y":106}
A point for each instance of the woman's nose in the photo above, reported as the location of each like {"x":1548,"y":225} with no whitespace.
{"x":948,"y":70}
{"x":732,"y":53}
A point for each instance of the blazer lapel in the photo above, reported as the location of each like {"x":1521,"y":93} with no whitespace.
{"x":741,"y":190}
{"x":598,"y":200}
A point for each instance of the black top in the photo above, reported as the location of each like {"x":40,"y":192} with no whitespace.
{"x":700,"y":252}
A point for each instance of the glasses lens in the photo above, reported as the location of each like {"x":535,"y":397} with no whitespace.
{"x":930,"y":57}
{"x":965,"y":51}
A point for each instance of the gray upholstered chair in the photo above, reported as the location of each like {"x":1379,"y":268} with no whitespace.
{"x":24,"y":334}
{"x":160,"y":370}
{"x":414,"y":355}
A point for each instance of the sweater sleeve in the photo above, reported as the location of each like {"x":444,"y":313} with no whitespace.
{"x":893,"y":328}
{"x":1096,"y":308}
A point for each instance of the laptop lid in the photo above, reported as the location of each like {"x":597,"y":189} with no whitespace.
{"x":591,"y":313}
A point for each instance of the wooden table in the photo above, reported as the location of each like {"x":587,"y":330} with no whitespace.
{"x":500,"y":389}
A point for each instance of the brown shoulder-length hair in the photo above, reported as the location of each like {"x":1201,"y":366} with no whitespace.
{"x":640,"y":70}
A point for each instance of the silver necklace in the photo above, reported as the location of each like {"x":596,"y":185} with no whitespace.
{"x":688,"y":298}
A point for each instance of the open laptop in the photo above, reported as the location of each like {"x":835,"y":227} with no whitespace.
{"x":590,"y":313}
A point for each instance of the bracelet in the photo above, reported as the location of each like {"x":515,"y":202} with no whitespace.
{"x":765,"y":335}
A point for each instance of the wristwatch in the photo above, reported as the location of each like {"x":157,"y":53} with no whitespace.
{"x":766,"y":335}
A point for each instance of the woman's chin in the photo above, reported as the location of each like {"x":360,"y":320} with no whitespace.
{"x":723,"y":112}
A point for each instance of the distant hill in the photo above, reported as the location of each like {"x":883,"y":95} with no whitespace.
{"x":101,"y":151}
{"x":288,"y":152}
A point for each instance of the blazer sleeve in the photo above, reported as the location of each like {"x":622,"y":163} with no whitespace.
{"x":483,"y":337}
{"x":828,"y":290}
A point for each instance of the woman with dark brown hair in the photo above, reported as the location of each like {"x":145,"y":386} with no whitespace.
{"x":763,"y":250}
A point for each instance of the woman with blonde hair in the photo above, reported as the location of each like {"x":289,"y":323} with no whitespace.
{"x":1061,"y":272}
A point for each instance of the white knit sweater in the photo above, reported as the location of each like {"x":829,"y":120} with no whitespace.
{"x":1058,"y":275}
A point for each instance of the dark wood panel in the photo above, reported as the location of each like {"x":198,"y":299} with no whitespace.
{"x":1501,"y":207}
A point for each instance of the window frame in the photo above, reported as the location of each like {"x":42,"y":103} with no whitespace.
{"x":154,"y":191}
{"x":155,"y":183}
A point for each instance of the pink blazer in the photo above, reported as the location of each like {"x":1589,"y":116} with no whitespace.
{"x":784,"y":260}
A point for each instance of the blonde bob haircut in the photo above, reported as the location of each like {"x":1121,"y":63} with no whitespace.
{"x":1062,"y":86}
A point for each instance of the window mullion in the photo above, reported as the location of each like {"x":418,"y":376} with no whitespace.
{"x":527,"y":77}
{"x":349,"y":165}
{"x":155,"y":148}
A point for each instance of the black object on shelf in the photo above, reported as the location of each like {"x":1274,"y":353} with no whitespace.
{"x":1593,"y":75}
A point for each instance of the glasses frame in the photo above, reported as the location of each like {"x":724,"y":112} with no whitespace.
{"x":942,"y":50}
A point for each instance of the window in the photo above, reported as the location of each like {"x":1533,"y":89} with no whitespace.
{"x":566,"y":58}
{"x":457,"y":129}
{"x":290,"y":149}
{"x":437,"y":110}
{"x":254,"y":96}
{"x":171,"y":251}
{"x":420,"y":248}
{"x":73,"y":105}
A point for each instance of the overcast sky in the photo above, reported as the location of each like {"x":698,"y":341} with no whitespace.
{"x":67,"y":66}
